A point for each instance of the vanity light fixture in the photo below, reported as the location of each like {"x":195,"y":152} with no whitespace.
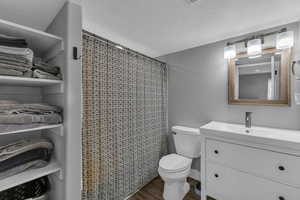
{"x":230,"y":52}
{"x":254,"y":48}
{"x":285,"y":40}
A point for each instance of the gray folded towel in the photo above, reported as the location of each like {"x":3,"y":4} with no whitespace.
{"x":29,"y":114}
{"x":37,"y":107}
{"x":23,"y":155}
{"x":46,"y":67}
{"x":26,"y":157}
{"x":21,"y":168}
{"x":44,"y":75}
{"x":21,"y":146}
{"x":10,"y":72}
{"x":24,"y":52}
{"x":23,"y":118}
{"x":21,"y":68}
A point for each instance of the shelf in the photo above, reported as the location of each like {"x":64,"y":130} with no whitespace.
{"x":29,"y":128}
{"x":28,"y":175}
{"x":39,"y":41}
{"x":23,"y":81}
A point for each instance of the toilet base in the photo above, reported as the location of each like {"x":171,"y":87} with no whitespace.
{"x":175,"y":190}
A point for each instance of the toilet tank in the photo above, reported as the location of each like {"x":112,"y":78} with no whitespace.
{"x":187,"y":141}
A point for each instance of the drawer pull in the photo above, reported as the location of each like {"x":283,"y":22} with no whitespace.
{"x":217,"y":175}
{"x":281,"y":168}
{"x":281,"y":198}
{"x":216,"y":152}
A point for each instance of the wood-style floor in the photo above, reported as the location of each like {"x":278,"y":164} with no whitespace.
{"x":154,"y":191}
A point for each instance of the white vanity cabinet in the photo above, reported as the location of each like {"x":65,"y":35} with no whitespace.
{"x":240,"y":164}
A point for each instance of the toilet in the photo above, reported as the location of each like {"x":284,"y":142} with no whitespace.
{"x":175,"y":168}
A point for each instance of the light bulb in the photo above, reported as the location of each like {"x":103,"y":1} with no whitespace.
{"x":254,"y":47}
{"x":285,"y":40}
{"x":230,"y":52}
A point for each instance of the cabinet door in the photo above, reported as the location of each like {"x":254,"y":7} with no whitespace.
{"x":228,"y":184}
{"x":271,"y":165}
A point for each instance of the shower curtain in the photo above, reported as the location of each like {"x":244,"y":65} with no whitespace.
{"x":124,"y":119}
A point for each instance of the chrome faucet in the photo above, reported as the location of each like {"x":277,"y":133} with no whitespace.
{"x":248,"y":120}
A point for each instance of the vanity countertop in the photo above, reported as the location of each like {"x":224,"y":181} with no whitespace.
{"x":263,"y":135}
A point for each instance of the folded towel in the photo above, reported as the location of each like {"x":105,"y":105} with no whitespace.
{"x":6,"y":40}
{"x":44,"y":75}
{"x":21,"y":168}
{"x":28,"y":73}
{"x":25,"y":52}
{"x":10,"y":72}
{"x":23,"y":118}
{"x":11,"y":38}
{"x":22,"y":68}
{"x":11,"y":62}
{"x":13,"y":149}
{"x":29,"y":114}
{"x":36,"y":107}
{"x":33,"y":190}
{"x":24,"y":154}
{"x":46,"y":67}
{"x":14,"y":58}
{"x":18,"y":44}
{"x":26,"y":157}
{"x":8,"y":102}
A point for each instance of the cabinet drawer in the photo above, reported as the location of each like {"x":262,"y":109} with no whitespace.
{"x":279,"y":167}
{"x":228,"y":184}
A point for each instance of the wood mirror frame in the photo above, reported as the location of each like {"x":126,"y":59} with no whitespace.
{"x":285,"y":86}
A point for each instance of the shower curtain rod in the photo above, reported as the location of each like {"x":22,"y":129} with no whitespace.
{"x":125,"y":48}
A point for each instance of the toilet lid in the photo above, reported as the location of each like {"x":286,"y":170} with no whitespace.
{"x":174,"y":163}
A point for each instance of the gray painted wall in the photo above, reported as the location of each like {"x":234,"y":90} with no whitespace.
{"x":198,"y":91}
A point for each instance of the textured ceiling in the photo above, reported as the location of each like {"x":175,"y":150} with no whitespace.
{"x":158,"y":27}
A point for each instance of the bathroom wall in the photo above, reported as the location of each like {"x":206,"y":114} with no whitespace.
{"x":198,"y":91}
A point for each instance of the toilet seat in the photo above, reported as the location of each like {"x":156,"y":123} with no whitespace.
{"x":174,"y":163}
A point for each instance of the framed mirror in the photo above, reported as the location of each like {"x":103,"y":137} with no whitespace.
{"x":261,"y":80}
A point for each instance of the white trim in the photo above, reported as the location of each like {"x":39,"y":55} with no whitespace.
{"x":195,"y":174}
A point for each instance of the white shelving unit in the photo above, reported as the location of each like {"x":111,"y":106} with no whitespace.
{"x":41,"y":42}
{"x":29,"y":175}
{"x":31,"y":129}
{"x":55,"y":44}
{"x":24,"y":81}
{"x":46,"y":46}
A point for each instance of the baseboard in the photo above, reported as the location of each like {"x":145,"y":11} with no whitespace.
{"x":195,"y":174}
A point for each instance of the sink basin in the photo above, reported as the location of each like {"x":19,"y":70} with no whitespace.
{"x":260,"y":134}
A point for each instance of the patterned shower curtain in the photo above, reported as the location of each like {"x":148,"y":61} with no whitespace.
{"x":124,"y":119}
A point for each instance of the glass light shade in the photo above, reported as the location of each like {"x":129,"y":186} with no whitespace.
{"x":285,"y":40}
{"x":230,"y":52}
{"x":254,"y":47}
